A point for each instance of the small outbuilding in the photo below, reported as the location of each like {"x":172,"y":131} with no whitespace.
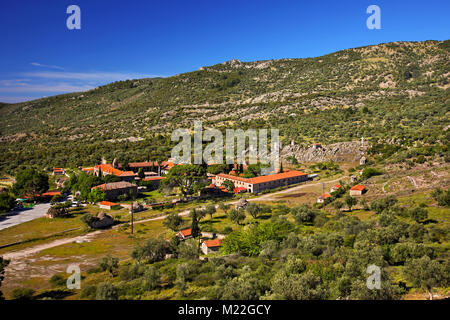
{"x":185,"y":234}
{"x":210,"y":246}
{"x":357,"y":190}
{"x":323,"y":198}
{"x":108,"y":205}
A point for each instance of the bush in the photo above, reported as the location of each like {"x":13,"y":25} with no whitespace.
{"x":23,"y":294}
{"x":107,"y":291}
{"x":57,"y":280}
{"x":442,"y":197}
{"x":89,"y":292}
{"x":370,"y":172}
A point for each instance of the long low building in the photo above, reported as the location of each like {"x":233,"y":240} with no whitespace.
{"x":261,"y":183}
{"x":115,"y":189}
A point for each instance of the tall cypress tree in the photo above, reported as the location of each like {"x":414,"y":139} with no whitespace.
{"x":195,"y":229}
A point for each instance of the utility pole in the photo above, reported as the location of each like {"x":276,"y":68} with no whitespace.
{"x":132,"y":218}
{"x":323,"y":188}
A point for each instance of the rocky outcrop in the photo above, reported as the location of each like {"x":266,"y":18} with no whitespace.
{"x":241,"y":204}
{"x":342,"y":151}
{"x":103,"y":220}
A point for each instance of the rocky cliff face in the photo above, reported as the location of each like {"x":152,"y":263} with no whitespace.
{"x":342,"y":151}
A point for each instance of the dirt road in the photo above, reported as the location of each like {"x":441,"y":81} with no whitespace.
{"x":33,"y":250}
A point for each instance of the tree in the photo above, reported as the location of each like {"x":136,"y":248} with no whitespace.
{"x":58,"y":211}
{"x":442,"y":197}
{"x":87,"y":218}
{"x":418,"y":214}
{"x":229,"y":185}
{"x":30,"y":182}
{"x":195,"y":229}
{"x":173,"y":221}
{"x":3,"y":264}
{"x":426,"y":273}
{"x":304,"y":286}
{"x":109,"y":264}
{"x":151,"y":278}
{"x":224,"y":207}
{"x":350,"y":201}
{"x":107,"y":291}
{"x":180,"y":282}
{"x":23,"y":293}
{"x":253,"y":209}
{"x":96,"y":195}
{"x":236,"y":216}
{"x":83,"y":183}
{"x":7,"y":202}
{"x":338,"y":205}
{"x":383,"y":204}
{"x":370,"y":172}
{"x":186,"y":177}
{"x":304,"y":214}
{"x":188,"y":249}
{"x":210,"y":209}
{"x":153,"y":250}
{"x":141,"y":173}
{"x":217,"y":168}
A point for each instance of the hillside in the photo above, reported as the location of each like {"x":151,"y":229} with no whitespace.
{"x":394,"y":94}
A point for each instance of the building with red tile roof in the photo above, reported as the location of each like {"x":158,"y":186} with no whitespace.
{"x":261,"y":183}
{"x":58,"y":171}
{"x":115,"y":189}
{"x":239,"y":190}
{"x":107,"y":169}
{"x":209,"y":246}
{"x":357,"y":190}
{"x":107,"y":205}
{"x":335,"y":188}
{"x":185,"y":234}
{"x":323,"y":198}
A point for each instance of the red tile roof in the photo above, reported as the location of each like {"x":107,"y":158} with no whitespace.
{"x":237,"y":190}
{"x":87,"y":169}
{"x":152,"y":178}
{"x":186,"y":232}
{"x":337,"y":186}
{"x":325,"y":196}
{"x":107,"y":203}
{"x":114,"y":185}
{"x":358,"y":187}
{"x":127,"y":174}
{"x":108,"y":168}
{"x":50,"y":193}
{"x":213,"y":243}
{"x":268,"y":178}
{"x":142,"y":164}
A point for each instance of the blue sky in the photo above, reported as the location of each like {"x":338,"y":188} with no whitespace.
{"x":119,"y":40}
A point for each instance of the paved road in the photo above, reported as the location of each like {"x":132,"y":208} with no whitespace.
{"x":24,"y":215}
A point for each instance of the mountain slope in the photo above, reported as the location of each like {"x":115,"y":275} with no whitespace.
{"x":394,"y":92}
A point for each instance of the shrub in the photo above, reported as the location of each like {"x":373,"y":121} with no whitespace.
{"x":23,"y":294}
{"x":89,"y":292}
{"x":57,"y":280}
{"x":107,"y":291}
